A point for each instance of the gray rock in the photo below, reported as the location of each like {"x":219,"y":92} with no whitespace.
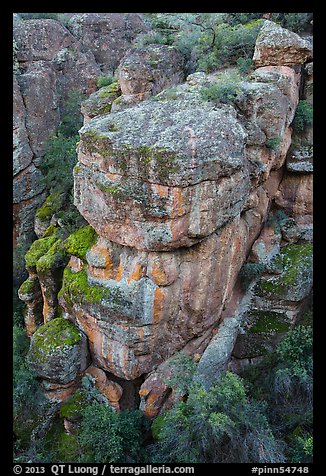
{"x":301,"y":160}
{"x":277,"y":46}
{"x":58,"y":351}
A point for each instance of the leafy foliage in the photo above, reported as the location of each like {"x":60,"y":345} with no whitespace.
{"x":110,"y":437}
{"x":208,"y":40}
{"x":226,"y":89}
{"x":183,"y":369}
{"x":303,"y":116}
{"x":296,"y":22}
{"x":104,"y":81}
{"x":284,"y":380}
{"x":218,"y":425}
{"x":28,"y":412}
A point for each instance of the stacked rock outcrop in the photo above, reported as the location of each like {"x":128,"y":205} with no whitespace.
{"x":178,"y":190}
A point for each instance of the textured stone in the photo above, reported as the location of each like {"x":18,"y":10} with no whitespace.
{"x":111,"y":390}
{"x":107,"y":35}
{"x":277,"y":46}
{"x":300,"y":160}
{"x":295,"y":194}
{"x":58,"y":352}
{"x":161,"y":187}
{"x":100,"y":102}
{"x":22,"y":153}
{"x":145,"y":71}
{"x":137,"y":309}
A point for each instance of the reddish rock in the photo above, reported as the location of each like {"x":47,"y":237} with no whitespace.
{"x":146,"y":71}
{"x":295,"y":194}
{"x":277,"y":46}
{"x":107,"y":35}
{"x":111,"y":390}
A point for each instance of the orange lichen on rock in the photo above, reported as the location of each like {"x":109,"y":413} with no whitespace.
{"x":136,"y":273}
{"x":159,"y":296}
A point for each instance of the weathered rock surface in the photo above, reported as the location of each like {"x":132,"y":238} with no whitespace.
{"x":146,"y":71}
{"x":161,"y":188}
{"x":179,"y":191}
{"x":300,"y":160}
{"x":107,"y":35}
{"x":278,"y":300}
{"x":100,"y":102}
{"x":58,"y":352}
{"x":295,"y":194}
{"x":277,"y":46}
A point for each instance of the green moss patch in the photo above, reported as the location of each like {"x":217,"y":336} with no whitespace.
{"x":38,"y":248}
{"x":80,"y":241}
{"x":74,"y":405}
{"x":51,"y":231}
{"x":55,"y":258}
{"x":76,"y":289}
{"x":52,"y":336}
{"x":157,"y":426}
{"x":292,"y":260}
{"x":27,"y":286}
{"x":110,"y":90}
{"x":268,"y":322}
{"x":51,"y":205}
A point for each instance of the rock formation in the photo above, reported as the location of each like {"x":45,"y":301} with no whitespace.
{"x":51,"y":62}
{"x":179,"y":192}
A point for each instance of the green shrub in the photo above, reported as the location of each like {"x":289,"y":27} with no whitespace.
{"x":284,"y":380}
{"x":59,"y":160}
{"x":273,"y":143}
{"x":109,"y":437}
{"x":104,"y":81}
{"x":215,"y":426}
{"x":183,"y":369}
{"x":225,"y":90}
{"x":302,"y":449}
{"x":72,"y":119}
{"x":245,"y":65}
{"x":29,"y":403}
{"x":303,"y":116}
{"x":296,"y":22}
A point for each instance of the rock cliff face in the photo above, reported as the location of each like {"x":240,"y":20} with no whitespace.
{"x":51,"y":62}
{"x":179,"y":192}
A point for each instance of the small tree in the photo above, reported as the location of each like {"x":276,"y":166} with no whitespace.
{"x":110,"y":437}
{"x":218,"y":425}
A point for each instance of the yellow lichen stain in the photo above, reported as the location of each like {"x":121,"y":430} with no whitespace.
{"x":111,"y":176}
{"x":136,"y":273}
{"x":143,"y":392}
{"x":161,"y":190}
{"x":159,"y":296}
{"x":157,"y":273}
{"x":102,"y":273}
{"x":178,"y":204}
{"x":119,"y":273}
{"x":152,"y":398}
{"x":149,"y":411}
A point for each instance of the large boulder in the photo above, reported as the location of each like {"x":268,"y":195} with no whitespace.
{"x":58,"y":352}
{"x":160,"y":174}
{"x":145,"y":71}
{"x":277,"y":46}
